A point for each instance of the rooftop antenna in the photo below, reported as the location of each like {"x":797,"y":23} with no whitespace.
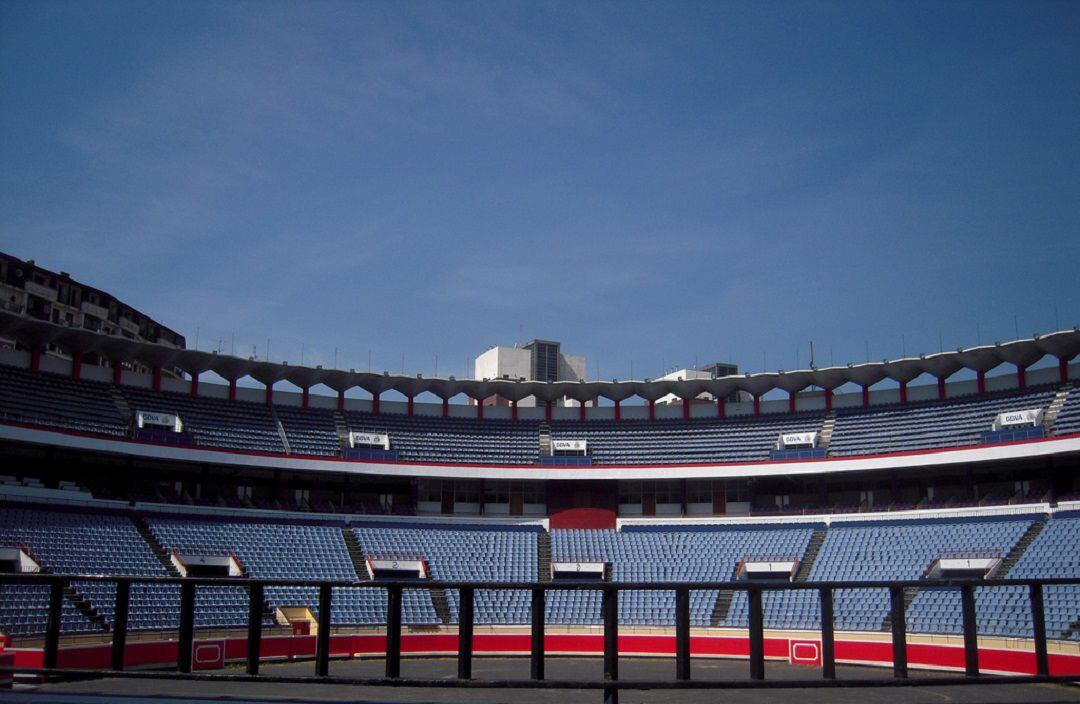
{"x":811,"y":354}
{"x":197,"y":337}
{"x":301,"y":354}
{"x":520,"y":334}
{"x":335,"y":358}
{"x":1016,"y":327}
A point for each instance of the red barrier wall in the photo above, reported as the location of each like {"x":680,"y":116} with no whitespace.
{"x":876,"y":653}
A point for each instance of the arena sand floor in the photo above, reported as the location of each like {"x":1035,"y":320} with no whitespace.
{"x":144,"y":691}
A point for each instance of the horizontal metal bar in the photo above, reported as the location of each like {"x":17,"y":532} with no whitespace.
{"x":743,"y":585}
{"x":873,"y":683}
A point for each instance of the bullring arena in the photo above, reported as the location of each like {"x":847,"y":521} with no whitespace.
{"x":162,"y":536}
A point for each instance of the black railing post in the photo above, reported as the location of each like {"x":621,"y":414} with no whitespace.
{"x":828,"y":639}
{"x":1038,"y":622}
{"x":467,"y":596}
{"x":255,"y":617}
{"x":899,"y":632}
{"x":757,"y":635}
{"x":52,"y":624}
{"x":971,"y":632}
{"x":393,"y":632}
{"x":120,"y":622}
{"x":610,"y":610}
{"x":322,"y":642}
{"x":682,"y":633}
{"x":539,"y":602}
{"x":187,"y":626}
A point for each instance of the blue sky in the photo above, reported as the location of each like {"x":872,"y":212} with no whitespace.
{"x":652,"y":184}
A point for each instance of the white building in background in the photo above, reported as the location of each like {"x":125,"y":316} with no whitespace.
{"x":709,"y":371}
{"x":536,"y":360}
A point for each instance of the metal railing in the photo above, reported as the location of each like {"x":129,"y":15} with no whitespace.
{"x":610,"y":684}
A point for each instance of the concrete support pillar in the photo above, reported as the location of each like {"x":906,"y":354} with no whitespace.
{"x":232,"y":389}
{"x":195,"y":384}
{"x":828,"y":400}
{"x":721,"y":408}
{"x":941,"y":388}
{"x":513,"y":410}
{"x":156,"y":375}
{"x":652,"y":409}
{"x":269,"y":394}
{"x":341,"y":400}
{"x":1021,"y":376}
{"x":117,"y":373}
{"x":547,"y":410}
{"x":686,"y":402}
{"x":866,"y":397}
{"x":480,"y":410}
{"x":305,"y":398}
{"x":374,"y":402}
{"x":981,"y":376}
{"x":1063,"y":369}
{"x":791,"y":401}
{"x":446,"y":408}
{"x":618,"y":411}
{"x":35,"y":359}
{"x":757,"y":405}
{"x":581,"y":411}
{"x":76,"y":365}
{"x":903,"y":392}
{"x":410,"y":407}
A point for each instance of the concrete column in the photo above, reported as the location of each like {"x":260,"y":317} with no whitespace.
{"x":157,"y":378}
{"x":757,"y":405}
{"x":305,"y":398}
{"x":981,"y":376}
{"x":652,"y":409}
{"x":480,"y":409}
{"x":686,"y":402}
{"x":513,"y":410}
{"x":35,"y":359}
{"x":409,"y":406}
{"x":581,"y":411}
{"x":76,"y":365}
{"x":866,"y":397}
{"x":1063,"y":369}
{"x":941,"y":388}
{"x":195,"y":384}
{"x":1021,"y":376}
{"x":446,"y":408}
{"x":547,"y":410}
{"x":341,"y":400}
{"x":828,"y":400}
{"x":117,"y":373}
{"x":903,"y":392}
{"x":232,"y":389}
{"x":618,"y":411}
{"x":375,"y":401}
{"x":791,"y":401}
{"x":721,"y":408}
{"x":269,"y":394}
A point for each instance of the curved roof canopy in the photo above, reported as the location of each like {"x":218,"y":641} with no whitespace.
{"x":1064,"y":344}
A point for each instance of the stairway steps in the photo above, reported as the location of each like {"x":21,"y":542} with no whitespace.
{"x":812,"y":550}
{"x":543,"y":556}
{"x":441,"y":604}
{"x":356,"y":555}
{"x":1017,"y":550}
{"x":1055,"y":406}
{"x":83,"y":605}
{"x":156,"y":547}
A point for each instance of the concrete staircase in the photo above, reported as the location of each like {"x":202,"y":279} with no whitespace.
{"x":543,"y":556}
{"x":356,"y":555}
{"x":442,"y":606}
{"x":1018,"y":550}
{"x":156,"y":547}
{"x":1054,"y":408}
{"x":121,"y":403}
{"x":825,"y":434}
{"x":722,"y":605}
{"x":281,"y":430}
{"x":909,"y":596}
{"x":545,"y":439}
{"x":812,"y":550}
{"x":83,"y":604}
{"x":342,"y":428}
